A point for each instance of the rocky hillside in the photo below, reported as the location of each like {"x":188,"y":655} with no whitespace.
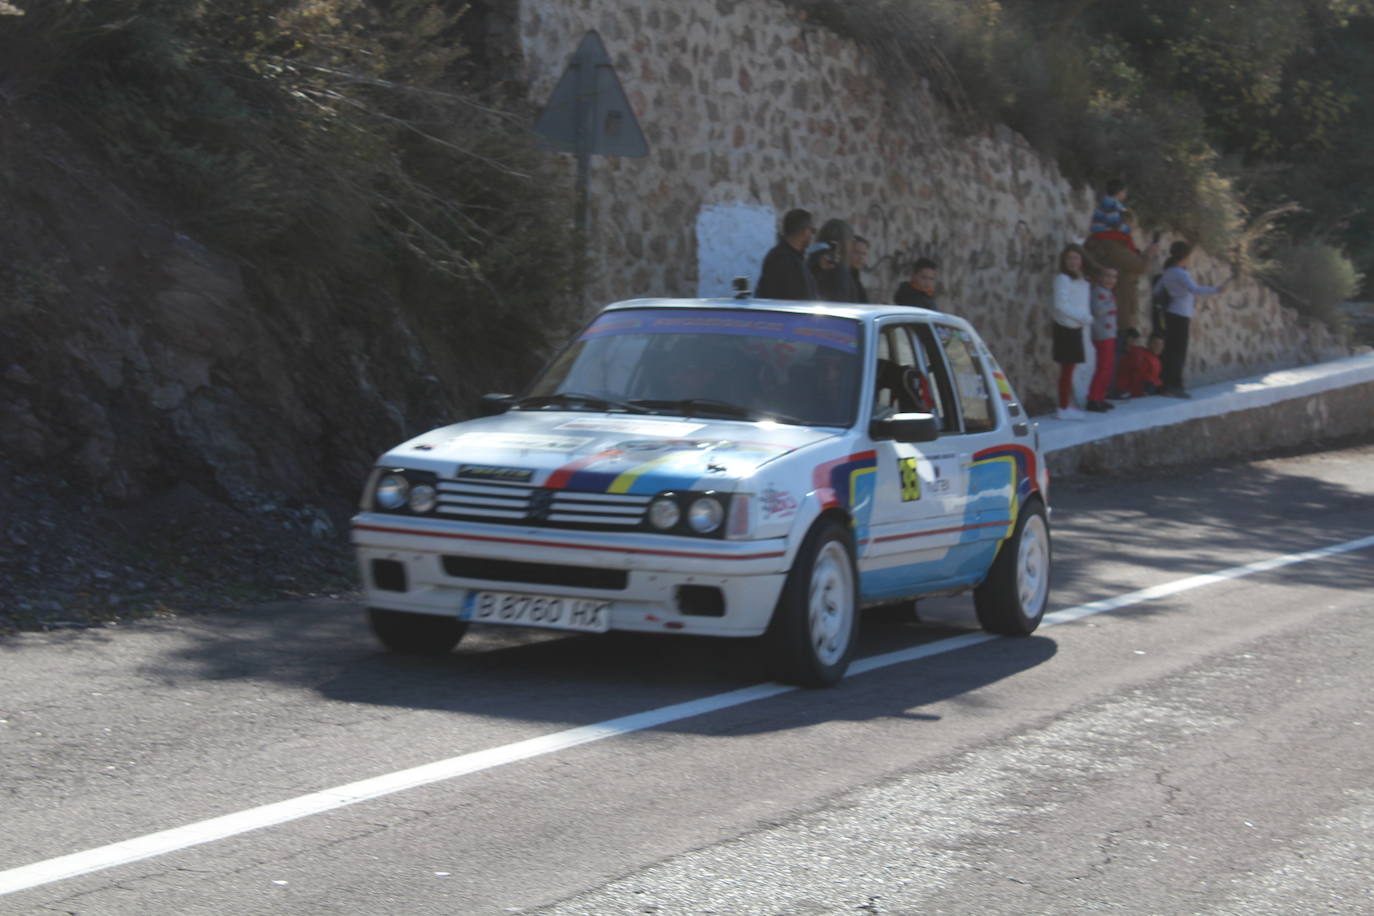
{"x":218,"y":304}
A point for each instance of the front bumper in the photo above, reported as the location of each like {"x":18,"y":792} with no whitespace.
{"x":442,"y":562}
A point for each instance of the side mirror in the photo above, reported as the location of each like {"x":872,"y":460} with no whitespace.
{"x":906,"y":427}
{"x":493,"y":405}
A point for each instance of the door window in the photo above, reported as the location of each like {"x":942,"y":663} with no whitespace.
{"x":903,"y":380}
{"x":938,"y":381}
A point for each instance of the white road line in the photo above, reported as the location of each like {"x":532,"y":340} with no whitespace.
{"x":218,"y":828}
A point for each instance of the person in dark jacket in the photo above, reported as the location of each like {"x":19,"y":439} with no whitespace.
{"x":824,"y":264}
{"x":919,"y":290}
{"x":858,"y":260}
{"x":830,"y":263}
{"x":784,"y":274}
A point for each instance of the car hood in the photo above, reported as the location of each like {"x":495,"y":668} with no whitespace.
{"x":606,"y":453}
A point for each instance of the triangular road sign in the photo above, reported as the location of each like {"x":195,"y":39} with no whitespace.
{"x":588,"y":112}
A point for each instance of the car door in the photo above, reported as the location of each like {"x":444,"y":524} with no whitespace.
{"x":918,"y":497}
{"x":989,"y":473}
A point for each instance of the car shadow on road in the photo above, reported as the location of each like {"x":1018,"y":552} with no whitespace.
{"x":565,"y":680}
{"x":583,"y":679}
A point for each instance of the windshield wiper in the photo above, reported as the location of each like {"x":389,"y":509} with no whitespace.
{"x":569,"y":398}
{"x":692,"y":407}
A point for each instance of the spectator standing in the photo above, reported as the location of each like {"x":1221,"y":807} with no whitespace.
{"x":784,"y":274}
{"x":919,"y":288}
{"x":858,"y":260}
{"x":1103,"y":305}
{"x":830,"y":265}
{"x":1183,"y":294}
{"x":824,"y":264}
{"x":1111,"y":243}
{"x":1072,"y":313}
{"x":1138,"y":374}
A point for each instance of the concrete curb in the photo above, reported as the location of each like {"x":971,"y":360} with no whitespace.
{"x":1224,"y":420}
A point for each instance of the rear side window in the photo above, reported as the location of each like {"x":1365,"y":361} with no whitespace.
{"x":970,"y":380}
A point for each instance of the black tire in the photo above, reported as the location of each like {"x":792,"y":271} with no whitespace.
{"x":1012,"y":600}
{"x":416,"y":634}
{"x":810,"y":639}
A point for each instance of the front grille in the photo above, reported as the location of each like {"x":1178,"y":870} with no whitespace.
{"x":535,"y":573}
{"x":518,"y":504}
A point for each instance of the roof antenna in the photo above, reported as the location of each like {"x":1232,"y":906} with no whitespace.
{"x":741,"y":287}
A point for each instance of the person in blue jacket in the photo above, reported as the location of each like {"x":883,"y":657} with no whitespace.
{"x":1183,"y":292}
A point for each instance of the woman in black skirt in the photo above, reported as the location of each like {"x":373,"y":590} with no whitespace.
{"x":1072,"y":313}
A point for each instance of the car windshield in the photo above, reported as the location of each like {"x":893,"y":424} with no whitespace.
{"x":730,"y":363}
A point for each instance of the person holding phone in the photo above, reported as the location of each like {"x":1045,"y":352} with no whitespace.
{"x":1183,"y":292}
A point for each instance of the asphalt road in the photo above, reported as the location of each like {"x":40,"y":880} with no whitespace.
{"x":1204,"y":748}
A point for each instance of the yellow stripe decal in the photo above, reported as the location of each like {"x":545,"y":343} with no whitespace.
{"x":623,"y":483}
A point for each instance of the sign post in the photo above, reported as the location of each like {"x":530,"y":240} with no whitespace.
{"x":589,"y":115}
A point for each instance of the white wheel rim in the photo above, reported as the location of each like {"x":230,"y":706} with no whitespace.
{"x":1033,"y":566}
{"x":831,"y":603}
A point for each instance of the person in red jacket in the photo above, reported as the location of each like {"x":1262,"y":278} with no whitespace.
{"x":1138,"y":372}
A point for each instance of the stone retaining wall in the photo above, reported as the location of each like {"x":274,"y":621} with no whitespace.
{"x":1306,"y":421}
{"x":747,"y":106}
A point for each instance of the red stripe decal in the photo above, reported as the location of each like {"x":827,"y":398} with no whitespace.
{"x":1027,"y":453}
{"x":559,"y":478}
{"x":922,"y":534}
{"x":820,"y":475}
{"x":555,"y":544}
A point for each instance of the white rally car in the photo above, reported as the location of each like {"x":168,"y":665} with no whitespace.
{"x":722,"y":467}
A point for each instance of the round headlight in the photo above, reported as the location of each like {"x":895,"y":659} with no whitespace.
{"x":423,"y":498}
{"x":705,"y":515}
{"x":392,"y":490}
{"x":664,"y":513}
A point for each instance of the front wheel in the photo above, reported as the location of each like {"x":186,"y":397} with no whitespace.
{"x":811,"y":636}
{"x":416,"y":634}
{"x":1011,"y":601}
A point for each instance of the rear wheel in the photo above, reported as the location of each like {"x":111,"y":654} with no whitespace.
{"x":811,"y":637}
{"x":1011,"y":601}
{"x":416,"y":634}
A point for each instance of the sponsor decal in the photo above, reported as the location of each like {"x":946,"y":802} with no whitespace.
{"x":530,"y":441}
{"x":633,"y":427}
{"x":493,"y":472}
{"x":659,"y":445}
{"x":911,"y":480}
{"x":777,"y":502}
{"x":825,"y":330}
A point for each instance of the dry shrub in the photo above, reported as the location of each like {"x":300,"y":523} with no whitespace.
{"x":1316,"y":278}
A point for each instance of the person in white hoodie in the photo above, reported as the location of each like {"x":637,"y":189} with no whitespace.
{"x":1072,"y":313}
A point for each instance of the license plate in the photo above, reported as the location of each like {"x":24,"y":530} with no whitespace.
{"x":585,"y":614}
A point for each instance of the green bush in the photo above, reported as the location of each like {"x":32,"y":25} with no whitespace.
{"x":1209,"y":109}
{"x":1077,"y":92}
{"x":1313,"y":277}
